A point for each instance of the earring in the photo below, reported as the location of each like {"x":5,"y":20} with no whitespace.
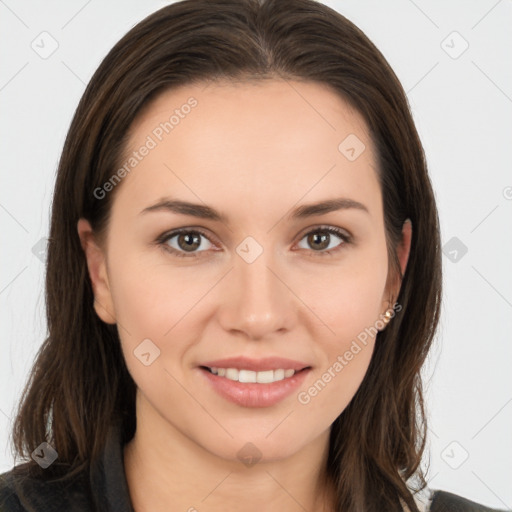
{"x":388,"y":315}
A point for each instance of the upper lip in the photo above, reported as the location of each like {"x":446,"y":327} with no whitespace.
{"x":266,"y":363}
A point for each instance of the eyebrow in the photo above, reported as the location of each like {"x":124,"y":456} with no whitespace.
{"x":207,"y":212}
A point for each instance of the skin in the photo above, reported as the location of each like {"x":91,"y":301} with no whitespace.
{"x":253,"y":151}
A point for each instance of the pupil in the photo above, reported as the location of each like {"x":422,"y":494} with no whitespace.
{"x":323,"y":240}
{"x":191,"y":241}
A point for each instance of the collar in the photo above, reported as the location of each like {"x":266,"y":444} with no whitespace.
{"x":108,"y":477}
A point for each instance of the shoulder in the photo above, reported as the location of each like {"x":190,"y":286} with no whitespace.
{"x":443,"y":501}
{"x":25,"y":490}
{"x":98,"y":484}
{"x":9,"y":502}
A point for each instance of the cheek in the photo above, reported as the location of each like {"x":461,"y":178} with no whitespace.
{"x":153,"y":301}
{"x":332,"y":386}
{"x":348,"y":297}
{"x":349,"y":303}
{"x":149,"y":296}
{"x":344,"y":355}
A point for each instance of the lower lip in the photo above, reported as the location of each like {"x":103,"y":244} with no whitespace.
{"x":252,"y":394}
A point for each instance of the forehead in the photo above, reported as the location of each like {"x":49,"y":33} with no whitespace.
{"x":260,"y":143}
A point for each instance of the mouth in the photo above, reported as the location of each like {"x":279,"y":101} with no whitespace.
{"x":252,"y":383}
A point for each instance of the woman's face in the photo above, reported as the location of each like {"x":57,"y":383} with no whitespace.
{"x":266,"y":281}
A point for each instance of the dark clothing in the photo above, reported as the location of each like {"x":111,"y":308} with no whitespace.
{"x":447,"y":502}
{"x":104,"y":488}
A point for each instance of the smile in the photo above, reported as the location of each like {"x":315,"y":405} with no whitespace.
{"x":250,"y":388}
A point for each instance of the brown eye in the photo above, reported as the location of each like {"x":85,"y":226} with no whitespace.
{"x":321,"y":239}
{"x":188,"y":242}
{"x":318,"y":241}
{"x":185,"y":242}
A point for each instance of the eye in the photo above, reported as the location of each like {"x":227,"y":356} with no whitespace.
{"x":320,"y":238}
{"x":185,"y":242}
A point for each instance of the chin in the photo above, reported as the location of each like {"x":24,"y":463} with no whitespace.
{"x":251,"y":446}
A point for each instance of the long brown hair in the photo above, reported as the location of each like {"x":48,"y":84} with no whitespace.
{"x":80,"y":385}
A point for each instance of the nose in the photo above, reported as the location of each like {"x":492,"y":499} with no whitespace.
{"x":257,"y":301}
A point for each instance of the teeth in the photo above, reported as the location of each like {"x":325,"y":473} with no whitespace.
{"x":263,"y":377}
{"x":232,"y":373}
{"x":246,"y":376}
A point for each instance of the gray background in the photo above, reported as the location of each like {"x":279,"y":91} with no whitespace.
{"x":462,"y":104}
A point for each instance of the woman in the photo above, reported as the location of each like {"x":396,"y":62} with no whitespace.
{"x":203,"y":353}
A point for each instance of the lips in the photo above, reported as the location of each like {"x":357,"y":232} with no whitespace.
{"x":262,"y":393}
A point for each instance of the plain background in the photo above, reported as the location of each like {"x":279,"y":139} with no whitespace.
{"x":461,"y":100}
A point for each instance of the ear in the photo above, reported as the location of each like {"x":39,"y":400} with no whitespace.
{"x":97,"y":266}
{"x":404,"y":247}
{"x":403,"y":250}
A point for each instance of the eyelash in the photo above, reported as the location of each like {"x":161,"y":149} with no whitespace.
{"x":165,"y":237}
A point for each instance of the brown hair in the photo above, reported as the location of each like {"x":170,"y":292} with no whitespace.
{"x":80,"y":384}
